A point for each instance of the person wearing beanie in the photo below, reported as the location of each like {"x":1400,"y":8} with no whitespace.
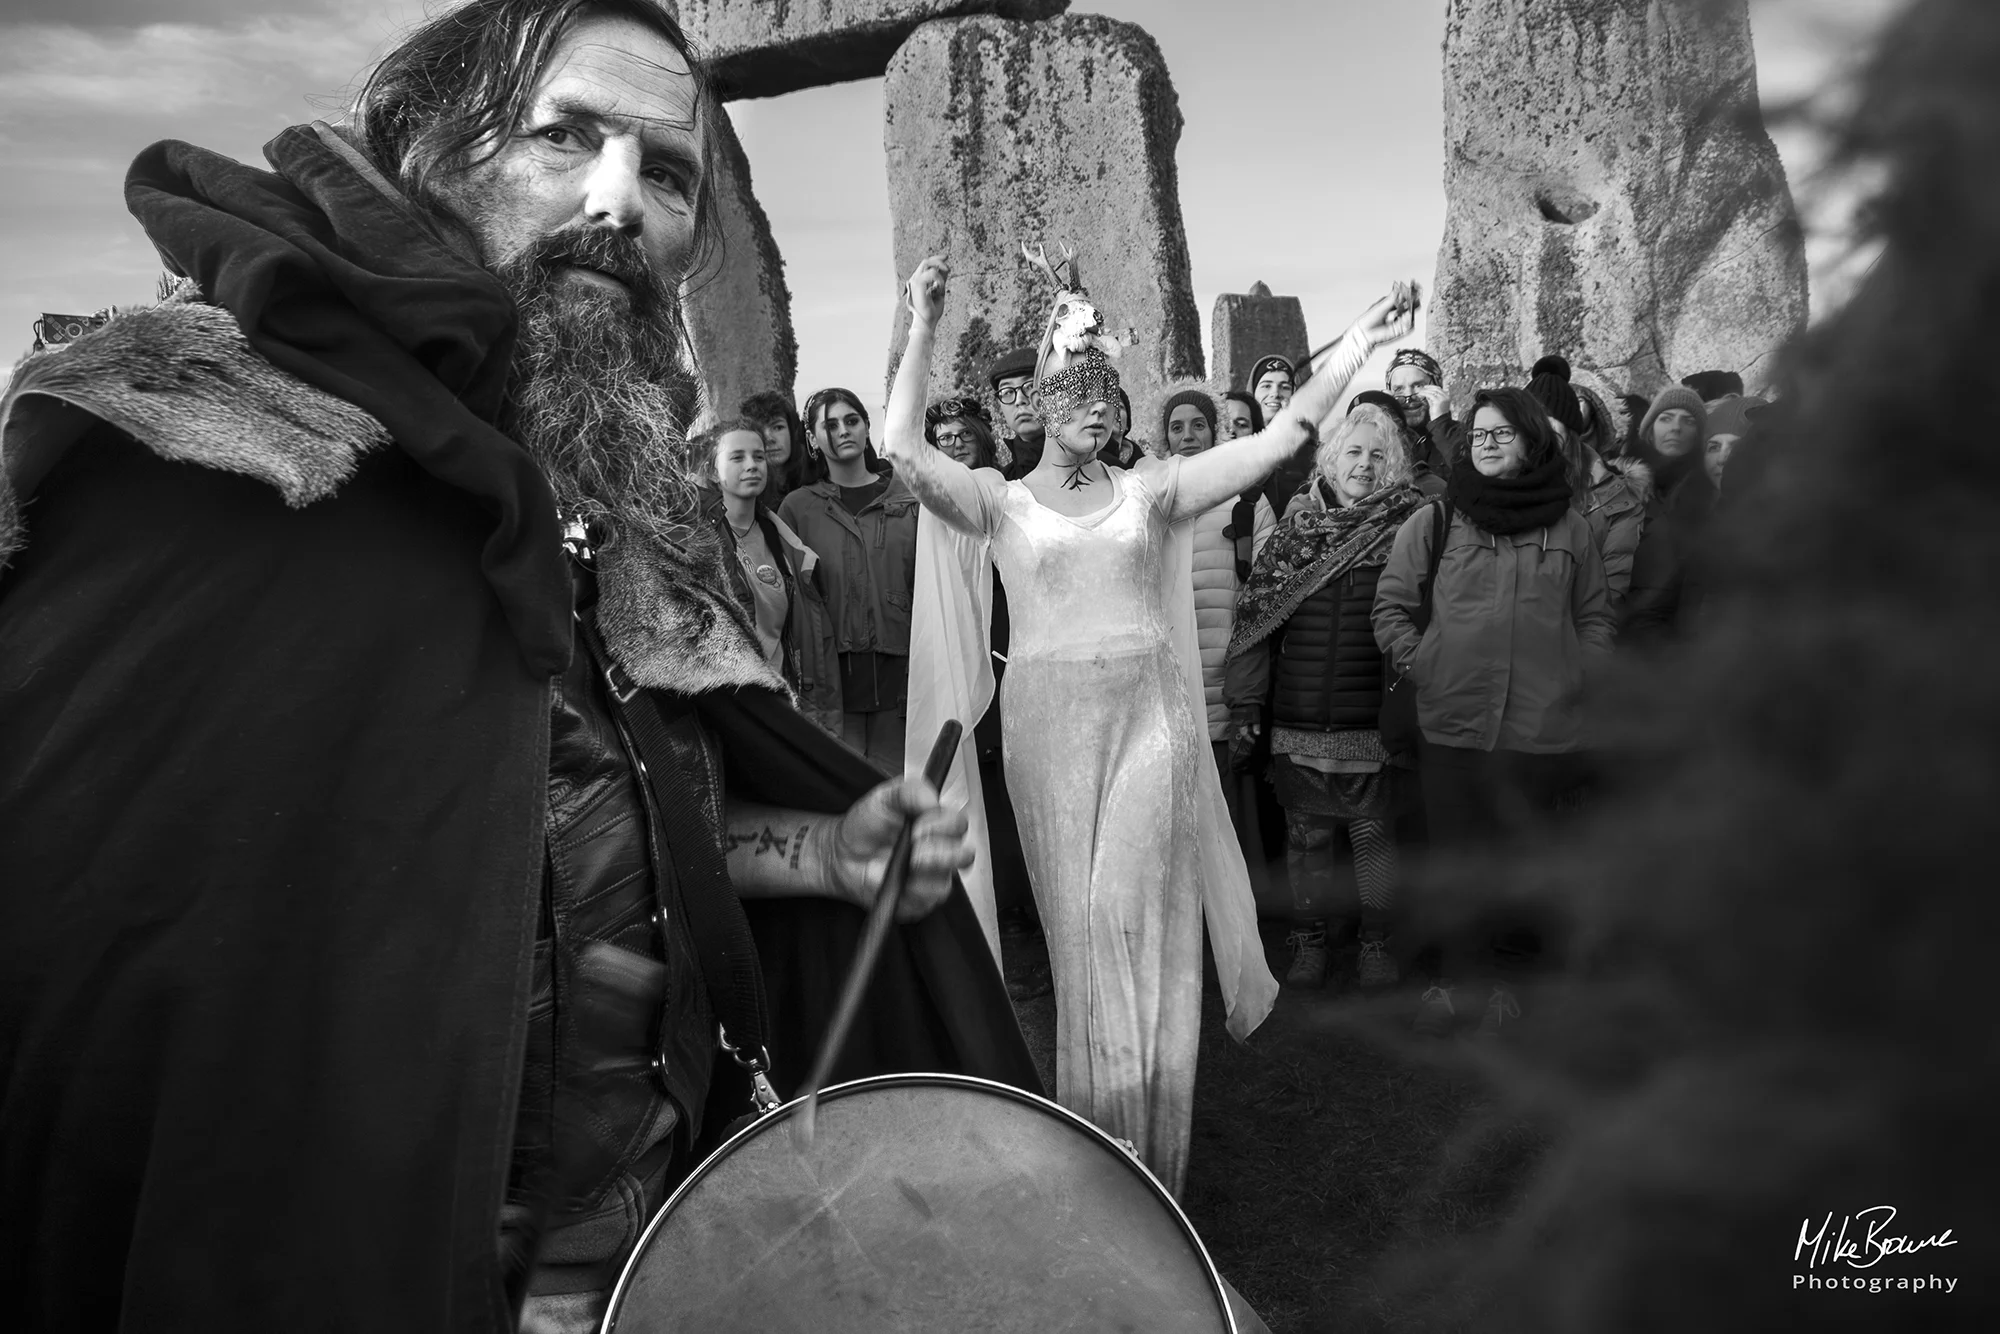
{"x":1416,"y":382}
{"x":1548,"y":385}
{"x":1272,"y":380}
{"x":1728,"y":422}
{"x":1019,"y":425}
{"x":1666,"y":578}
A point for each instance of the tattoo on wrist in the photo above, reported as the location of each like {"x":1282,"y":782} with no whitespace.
{"x":799,"y":844}
{"x":766,"y":838}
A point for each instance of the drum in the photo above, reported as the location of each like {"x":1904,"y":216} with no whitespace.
{"x":925,"y":1203}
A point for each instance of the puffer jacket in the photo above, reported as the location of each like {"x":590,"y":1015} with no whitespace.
{"x":812,"y":665}
{"x":1617,"y":519}
{"x":1515,"y":622}
{"x":868,"y":560}
{"x":1221,"y":563}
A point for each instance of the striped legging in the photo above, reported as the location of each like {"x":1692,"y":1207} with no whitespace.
{"x":1317,"y":893}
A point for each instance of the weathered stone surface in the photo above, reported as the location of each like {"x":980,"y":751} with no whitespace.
{"x":761,"y":48}
{"x":1612,"y":195}
{"x":739,"y":311}
{"x":1056,"y":132}
{"x":1253,"y":324}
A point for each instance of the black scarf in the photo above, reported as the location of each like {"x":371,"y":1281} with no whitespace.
{"x":1504,"y":506}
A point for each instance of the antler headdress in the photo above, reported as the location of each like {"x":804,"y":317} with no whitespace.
{"x":1075,"y":364}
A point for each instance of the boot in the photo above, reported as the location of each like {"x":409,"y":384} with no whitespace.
{"x":1308,"y":956}
{"x":1375,"y":968}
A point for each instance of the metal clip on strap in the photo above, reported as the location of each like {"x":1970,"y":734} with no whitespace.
{"x":759,"y":1067}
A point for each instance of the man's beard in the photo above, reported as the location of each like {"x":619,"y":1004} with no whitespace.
{"x":600,"y":393}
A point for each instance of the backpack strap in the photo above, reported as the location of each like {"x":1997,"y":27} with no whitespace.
{"x":1440,"y":530}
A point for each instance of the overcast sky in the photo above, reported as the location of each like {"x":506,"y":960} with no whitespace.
{"x":84,"y":84}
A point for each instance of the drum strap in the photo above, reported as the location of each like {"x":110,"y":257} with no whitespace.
{"x":691,"y":852}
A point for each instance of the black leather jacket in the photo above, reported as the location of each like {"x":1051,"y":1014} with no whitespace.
{"x":621,"y":1037}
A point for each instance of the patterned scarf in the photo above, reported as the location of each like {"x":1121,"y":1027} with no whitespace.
{"x":1315,"y":545}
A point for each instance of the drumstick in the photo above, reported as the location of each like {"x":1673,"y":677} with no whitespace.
{"x":880,"y":918}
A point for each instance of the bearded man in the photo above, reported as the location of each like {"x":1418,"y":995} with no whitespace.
{"x":355,"y":973}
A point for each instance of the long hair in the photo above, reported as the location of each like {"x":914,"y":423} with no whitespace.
{"x":984,"y":454}
{"x":1602,"y":425}
{"x":454,"y":91}
{"x":771,"y":408}
{"x":815,"y":417}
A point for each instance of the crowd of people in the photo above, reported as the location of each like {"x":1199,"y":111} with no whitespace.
{"x":472,"y":797}
{"x":1395,"y":626}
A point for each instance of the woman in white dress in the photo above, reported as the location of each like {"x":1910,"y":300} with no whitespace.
{"x":1121,"y":815}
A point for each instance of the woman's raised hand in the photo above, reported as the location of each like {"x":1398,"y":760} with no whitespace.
{"x":925,"y":290}
{"x":1394,"y":315}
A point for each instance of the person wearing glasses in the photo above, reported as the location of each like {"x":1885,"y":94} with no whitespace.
{"x":863,"y":524}
{"x":961,"y":428}
{"x":1416,"y":382}
{"x":1518,"y":615}
{"x":1020,"y":426}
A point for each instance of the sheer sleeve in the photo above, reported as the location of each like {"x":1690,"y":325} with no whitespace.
{"x":966,"y":499}
{"x":1162,"y":480}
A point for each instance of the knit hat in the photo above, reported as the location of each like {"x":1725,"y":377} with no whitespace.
{"x":1673,"y":396}
{"x":1199,"y":398}
{"x":1265,"y":365}
{"x":1014,"y":361}
{"x":1548,"y":385}
{"x":1379,"y":399}
{"x":1731,"y":416}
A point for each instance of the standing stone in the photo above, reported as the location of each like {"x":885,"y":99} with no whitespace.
{"x":1056,"y":132}
{"x":1253,"y":324}
{"x":1611,"y":196}
{"x":739,"y":312}
{"x":761,"y":48}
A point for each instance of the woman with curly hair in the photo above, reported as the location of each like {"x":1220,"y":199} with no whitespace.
{"x":1304,"y":645}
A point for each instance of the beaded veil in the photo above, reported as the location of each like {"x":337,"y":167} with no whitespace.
{"x":1076,"y":363}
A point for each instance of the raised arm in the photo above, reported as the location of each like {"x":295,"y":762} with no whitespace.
{"x":963,"y":498}
{"x":1209,"y":478}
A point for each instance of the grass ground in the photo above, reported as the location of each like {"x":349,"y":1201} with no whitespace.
{"x":1335,"y":1159}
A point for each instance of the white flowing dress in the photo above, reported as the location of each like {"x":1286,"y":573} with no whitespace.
{"x":1122,"y":820}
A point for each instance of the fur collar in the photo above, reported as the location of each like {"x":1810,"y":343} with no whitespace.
{"x":1636,"y":474}
{"x":182,"y":379}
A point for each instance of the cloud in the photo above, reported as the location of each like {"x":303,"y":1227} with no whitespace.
{"x":84,"y":85}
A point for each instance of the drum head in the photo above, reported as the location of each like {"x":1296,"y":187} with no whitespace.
{"x":926,"y":1203}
